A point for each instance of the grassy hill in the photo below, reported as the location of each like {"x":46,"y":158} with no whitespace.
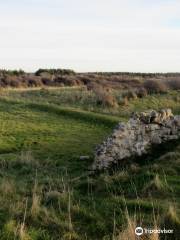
{"x":48,"y":193}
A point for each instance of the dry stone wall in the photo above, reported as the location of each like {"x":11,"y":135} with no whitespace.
{"x":137,"y":136}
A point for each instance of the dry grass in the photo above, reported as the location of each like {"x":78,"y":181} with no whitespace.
{"x":7,"y":187}
{"x":36,"y":199}
{"x":129,"y":232}
{"x":28,"y":158}
{"x":36,"y":205}
{"x":171,"y":219}
{"x":156,"y":185}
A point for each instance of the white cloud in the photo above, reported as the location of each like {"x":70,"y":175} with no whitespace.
{"x":116,"y":35}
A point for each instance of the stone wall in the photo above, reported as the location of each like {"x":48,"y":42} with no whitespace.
{"x":137,"y":136}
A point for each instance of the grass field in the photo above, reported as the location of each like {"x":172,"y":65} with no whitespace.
{"x":46,"y":191}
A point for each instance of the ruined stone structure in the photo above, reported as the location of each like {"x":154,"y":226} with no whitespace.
{"x":137,"y":136}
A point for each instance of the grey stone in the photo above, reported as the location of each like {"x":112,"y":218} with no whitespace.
{"x":137,"y":136}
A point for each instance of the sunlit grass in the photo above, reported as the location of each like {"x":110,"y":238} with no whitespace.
{"x":47,"y":192}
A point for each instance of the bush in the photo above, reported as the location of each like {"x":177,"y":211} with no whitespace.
{"x":155,"y":86}
{"x":174,"y":84}
{"x":55,"y":72}
{"x":92,"y":86}
{"x":124,"y":101}
{"x":15,"y":83}
{"x":142,"y":92}
{"x":34,"y":82}
{"x":47,"y":81}
{"x":108,"y":100}
{"x":129,"y":95}
{"x":66,"y":81}
{"x":105,"y":98}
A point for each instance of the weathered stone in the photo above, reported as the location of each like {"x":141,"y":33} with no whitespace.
{"x":177,"y":121}
{"x":137,"y":136}
{"x":156,"y":139}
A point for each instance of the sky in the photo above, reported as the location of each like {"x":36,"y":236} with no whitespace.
{"x":90,"y":35}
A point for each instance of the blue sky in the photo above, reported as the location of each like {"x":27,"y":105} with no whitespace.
{"x":96,"y":35}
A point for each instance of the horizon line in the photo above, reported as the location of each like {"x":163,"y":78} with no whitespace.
{"x":71,"y":69}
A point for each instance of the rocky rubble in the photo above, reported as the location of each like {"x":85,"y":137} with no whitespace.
{"x":137,"y":136}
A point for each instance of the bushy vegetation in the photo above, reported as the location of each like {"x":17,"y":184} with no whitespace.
{"x":155,"y":86}
{"x":54,"y":72}
{"x":47,"y":191}
{"x":152,"y":83}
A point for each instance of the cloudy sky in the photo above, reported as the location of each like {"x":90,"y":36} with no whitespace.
{"x":90,"y":35}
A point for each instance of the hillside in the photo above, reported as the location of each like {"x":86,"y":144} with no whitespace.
{"x":46,"y":189}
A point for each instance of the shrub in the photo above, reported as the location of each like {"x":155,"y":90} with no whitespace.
{"x":66,"y":81}
{"x":142,"y":92}
{"x":155,"y":86}
{"x":47,"y":81}
{"x":129,"y":94}
{"x":34,"y":82}
{"x":92,"y":86}
{"x":123,"y":101}
{"x":103,"y":97}
{"x":15,"y":83}
{"x":174,"y":83}
{"x":108,"y":100}
{"x":2,"y":84}
{"x":54,"y":72}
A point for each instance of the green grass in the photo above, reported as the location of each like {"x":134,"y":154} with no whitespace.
{"x":51,"y":132}
{"x":78,"y":98}
{"x":46,"y":191}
